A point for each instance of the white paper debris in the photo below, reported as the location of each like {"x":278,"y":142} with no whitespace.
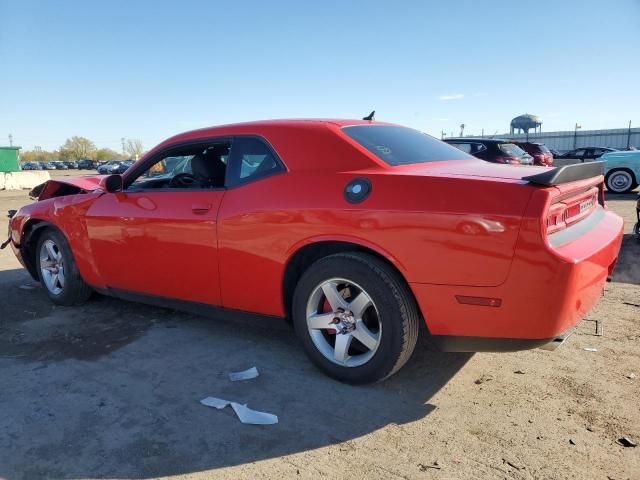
{"x":27,"y":287}
{"x":214,"y":402}
{"x":253,"y":417}
{"x":244,"y":375}
{"x":589,"y":349}
{"x":244,"y":413}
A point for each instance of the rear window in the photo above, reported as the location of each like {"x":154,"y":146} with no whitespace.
{"x":544,"y":149}
{"x":511,"y":149}
{"x":401,"y":145}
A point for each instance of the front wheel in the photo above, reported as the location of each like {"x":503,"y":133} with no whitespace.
{"x":57,"y":270}
{"x":620,"y":181}
{"x":356,"y":318}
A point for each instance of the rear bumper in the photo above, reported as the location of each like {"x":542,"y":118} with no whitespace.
{"x":548,"y":291}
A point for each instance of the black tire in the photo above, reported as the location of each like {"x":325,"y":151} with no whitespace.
{"x":628,"y":175}
{"x":397,"y":313}
{"x":74,"y":291}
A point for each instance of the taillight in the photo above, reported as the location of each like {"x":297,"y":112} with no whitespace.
{"x":556,"y":218}
{"x":568,"y":210}
{"x":507,"y":159}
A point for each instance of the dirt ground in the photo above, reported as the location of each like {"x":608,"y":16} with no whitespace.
{"x":112,"y":390}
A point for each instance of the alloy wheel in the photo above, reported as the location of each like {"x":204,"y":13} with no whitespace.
{"x":52,"y":267}
{"x":343,"y":322}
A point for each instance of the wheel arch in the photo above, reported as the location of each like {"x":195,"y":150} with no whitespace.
{"x":309,"y":252}
{"x":31,"y":232}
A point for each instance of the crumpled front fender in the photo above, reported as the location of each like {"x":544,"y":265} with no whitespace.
{"x":67,"y":186}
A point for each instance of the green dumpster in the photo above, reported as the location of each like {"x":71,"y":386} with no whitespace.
{"x":9,"y":159}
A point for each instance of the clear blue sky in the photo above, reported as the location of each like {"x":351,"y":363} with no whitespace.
{"x":150,"y":69}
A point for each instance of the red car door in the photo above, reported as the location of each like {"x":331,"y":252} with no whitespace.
{"x":158,"y":240}
{"x":159,"y":243}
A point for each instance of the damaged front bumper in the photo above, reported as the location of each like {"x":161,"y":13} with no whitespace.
{"x":10,"y":214}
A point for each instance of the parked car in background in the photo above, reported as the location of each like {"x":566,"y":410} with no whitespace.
{"x":50,"y":166}
{"x":622,"y":170}
{"x":71,"y":164}
{"x":541,"y":154}
{"x":554,"y":152}
{"x":107,"y":167}
{"x":86,"y":164}
{"x":492,"y":150}
{"x":584,"y":154}
{"x":30,"y":166}
{"x":122,"y":166}
{"x":60,"y":165}
{"x":357,"y":231}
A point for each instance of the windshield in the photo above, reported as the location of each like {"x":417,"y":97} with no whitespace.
{"x":401,"y":145}
{"x":511,"y":150}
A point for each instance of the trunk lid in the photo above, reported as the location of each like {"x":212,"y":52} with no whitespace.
{"x":472,"y":168}
{"x":535,"y":175}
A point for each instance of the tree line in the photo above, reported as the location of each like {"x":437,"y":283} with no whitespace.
{"x":81,"y":148}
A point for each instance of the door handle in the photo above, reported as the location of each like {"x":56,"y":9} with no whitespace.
{"x":200,"y":208}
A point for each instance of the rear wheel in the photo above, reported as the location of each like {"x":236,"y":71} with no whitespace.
{"x":356,"y":318}
{"x":57,"y":270}
{"x":620,"y":181}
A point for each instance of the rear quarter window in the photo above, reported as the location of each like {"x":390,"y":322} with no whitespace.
{"x":397,"y":145}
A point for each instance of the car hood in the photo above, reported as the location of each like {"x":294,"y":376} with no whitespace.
{"x":66,"y":186}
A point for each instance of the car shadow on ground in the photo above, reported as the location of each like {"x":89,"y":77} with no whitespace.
{"x":112,"y":389}
{"x":628,"y":266}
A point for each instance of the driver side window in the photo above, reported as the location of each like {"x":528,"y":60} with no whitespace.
{"x":201,"y":166}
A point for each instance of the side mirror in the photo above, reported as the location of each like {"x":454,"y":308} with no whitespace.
{"x":113,"y":183}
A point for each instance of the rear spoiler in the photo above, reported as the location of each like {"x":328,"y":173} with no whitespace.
{"x":567,"y":174}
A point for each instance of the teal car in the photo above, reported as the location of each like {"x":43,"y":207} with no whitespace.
{"x":621,"y":170}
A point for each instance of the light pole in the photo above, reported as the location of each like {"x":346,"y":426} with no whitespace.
{"x":575,"y":135}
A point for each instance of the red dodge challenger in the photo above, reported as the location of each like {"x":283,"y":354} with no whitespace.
{"x":362,"y":233}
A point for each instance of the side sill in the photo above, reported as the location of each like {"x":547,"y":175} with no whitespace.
{"x":448,"y":343}
{"x":196,"y":308}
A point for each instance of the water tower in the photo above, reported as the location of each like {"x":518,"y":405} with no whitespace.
{"x":526,"y":122}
